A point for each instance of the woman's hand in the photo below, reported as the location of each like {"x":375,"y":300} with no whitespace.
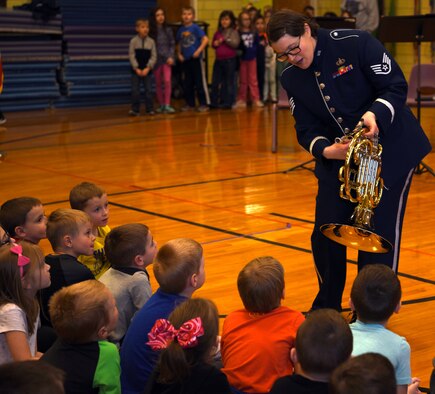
{"x":370,"y":122}
{"x":336,"y":151}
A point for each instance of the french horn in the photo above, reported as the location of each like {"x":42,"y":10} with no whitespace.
{"x":361,"y":184}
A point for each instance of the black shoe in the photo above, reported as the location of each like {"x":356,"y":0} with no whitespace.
{"x":151,"y":112}
{"x":133,"y":113}
{"x":2,"y":118}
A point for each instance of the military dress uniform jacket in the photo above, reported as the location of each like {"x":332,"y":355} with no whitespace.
{"x":352,"y":73}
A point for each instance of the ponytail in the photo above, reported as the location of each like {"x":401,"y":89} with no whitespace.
{"x":186,"y":339}
{"x":173,"y":364}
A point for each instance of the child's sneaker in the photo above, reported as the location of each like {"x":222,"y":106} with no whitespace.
{"x":161,"y":109}
{"x":203,"y":108}
{"x":133,"y":113}
{"x":169,"y":109}
{"x":2,"y":118}
{"x":240,"y":104}
{"x":187,"y":108}
{"x":259,"y":104}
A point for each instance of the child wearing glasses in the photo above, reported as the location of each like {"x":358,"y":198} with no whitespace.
{"x":22,"y":273}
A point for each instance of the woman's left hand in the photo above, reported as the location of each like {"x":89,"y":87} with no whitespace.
{"x":370,"y":122}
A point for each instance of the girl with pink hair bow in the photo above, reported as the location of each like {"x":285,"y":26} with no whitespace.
{"x":22,"y":273}
{"x":187,"y":341}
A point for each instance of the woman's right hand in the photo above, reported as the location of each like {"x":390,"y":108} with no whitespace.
{"x":336,"y":151}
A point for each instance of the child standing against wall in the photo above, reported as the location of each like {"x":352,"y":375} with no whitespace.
{"x":225,"y":41}
{"x":248,"y":63}
{"x":143,"y":55}
{"x":165,"y":46}
{"x":191,"y":41}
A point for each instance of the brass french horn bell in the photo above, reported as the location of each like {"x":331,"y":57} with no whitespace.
{"x":362,"y":184}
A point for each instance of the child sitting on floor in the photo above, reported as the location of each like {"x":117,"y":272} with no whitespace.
{"x":179,"y":270}
{"x":23,"y":218}
{"x":22,"y":273}
{"x":130,"y":248}
{"x":186,"y":340}
{"x":256,"y":341}
{"x":70,"y":234}
{"x":375,"y":295}
{"x":323,"y":342}
{"x":92,"y":199}
{"x":83,"y":316}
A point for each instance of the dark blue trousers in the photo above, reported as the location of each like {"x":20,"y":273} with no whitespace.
{"x":193,"y":79}
{"x":149,"y":87}
{"x":222,"y":87}
{"x":330,"y":257}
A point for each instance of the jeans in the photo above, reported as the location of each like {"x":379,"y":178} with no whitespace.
{"x":149,"y":84}
{"x":222,"y":87}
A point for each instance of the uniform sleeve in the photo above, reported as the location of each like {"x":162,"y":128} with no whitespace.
{"x":132,"y":55}
{"x":308,"y":126}
{"x":387,"y":79}
{"x":108,"y":371}
{"x":140,"y":290}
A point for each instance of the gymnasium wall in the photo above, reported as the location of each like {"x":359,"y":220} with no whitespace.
{"x":405,"y":53}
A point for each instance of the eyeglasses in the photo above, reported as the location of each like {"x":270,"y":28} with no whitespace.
{"x":282,"y":57}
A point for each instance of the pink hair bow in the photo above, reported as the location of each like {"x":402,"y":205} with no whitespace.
{"x":163,"y":333}
{"x":22,"y":260}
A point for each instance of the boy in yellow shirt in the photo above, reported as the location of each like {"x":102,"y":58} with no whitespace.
{"x":92,"y":199}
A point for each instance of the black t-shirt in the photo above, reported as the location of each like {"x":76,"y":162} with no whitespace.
{"x":298,"y":384}
{"x":204,"y":378}
{"x":65,"y":270}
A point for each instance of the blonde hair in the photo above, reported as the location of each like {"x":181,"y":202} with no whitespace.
{"x":78,"y":311}
{"x":62,"y":222}
{"x":176,"y":262}
{"x":142,"y":21}
{"x":11,"y":288}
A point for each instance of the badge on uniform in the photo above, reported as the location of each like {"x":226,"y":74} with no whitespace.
{"x":384,"y":67}
{"x":342,"y":69}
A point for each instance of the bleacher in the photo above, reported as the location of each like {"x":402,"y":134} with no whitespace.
{"x":77,"y":58}
{"x":31,"y":53}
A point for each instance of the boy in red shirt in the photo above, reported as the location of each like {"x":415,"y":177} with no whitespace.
{"x":256,"y":341}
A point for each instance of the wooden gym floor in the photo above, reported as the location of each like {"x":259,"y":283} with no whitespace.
{"x":212,"y":177}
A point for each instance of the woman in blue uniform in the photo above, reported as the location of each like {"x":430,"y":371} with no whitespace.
{"x":333,"y":79}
